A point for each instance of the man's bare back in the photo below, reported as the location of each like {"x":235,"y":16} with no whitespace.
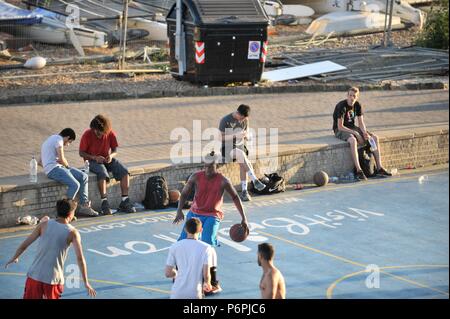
{"x":272,"y":284}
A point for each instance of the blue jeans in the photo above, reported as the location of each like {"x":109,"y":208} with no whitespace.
{"x":74,"y":178}
{"x":210,"y":227}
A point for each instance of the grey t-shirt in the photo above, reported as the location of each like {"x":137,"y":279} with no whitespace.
{"x":230,"y":123}
{"x":48,"y":265}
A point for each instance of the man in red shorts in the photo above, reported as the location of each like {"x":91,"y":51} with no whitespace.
{"x":45,"y":278}
{"x":210,"y":186}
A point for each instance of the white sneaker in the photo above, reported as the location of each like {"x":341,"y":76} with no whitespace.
{"x":87,"y":211}
{"x":258,"y":185}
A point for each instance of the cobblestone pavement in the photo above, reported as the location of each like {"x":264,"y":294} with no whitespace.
{"x":144,"y":126}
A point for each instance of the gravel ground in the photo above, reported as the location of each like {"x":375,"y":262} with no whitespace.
{"x":68,"y":78}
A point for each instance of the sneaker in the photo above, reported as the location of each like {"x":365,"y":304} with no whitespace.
{"x":126,"y":206}
{"x":383,"y":172}
{"x":87,"y":211}
{"x":215,"y":290}
{"x":360,"y":176}
{"x":245,"y":196}
{"x":258,"y":185}
{"x":106,"y":210}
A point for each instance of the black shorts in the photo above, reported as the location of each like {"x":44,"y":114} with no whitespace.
{"x":226,"y":158}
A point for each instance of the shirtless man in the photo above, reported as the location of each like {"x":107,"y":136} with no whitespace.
{"x":272,"y":282}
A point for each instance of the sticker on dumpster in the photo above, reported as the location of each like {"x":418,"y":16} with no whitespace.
{"x":200,"y":52}
{"x":254,"y":49}
{"x":264,"y":52}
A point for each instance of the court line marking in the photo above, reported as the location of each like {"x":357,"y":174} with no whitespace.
{"x":358,"y":184}
{"x":115,"y":283}
{"x":331,"y":288}
{"x":105,"y":221}
{"x":350,"y":261}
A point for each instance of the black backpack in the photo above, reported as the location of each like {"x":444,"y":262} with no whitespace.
{"x":156,"y":193}
{"x":367,"y":161}
{"x":274,"y":184}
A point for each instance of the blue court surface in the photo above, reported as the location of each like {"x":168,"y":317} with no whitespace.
{"x":385,"y":238}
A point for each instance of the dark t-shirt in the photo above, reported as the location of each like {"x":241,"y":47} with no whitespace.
{"x":346,"y":112}
{"x":230,"y":123}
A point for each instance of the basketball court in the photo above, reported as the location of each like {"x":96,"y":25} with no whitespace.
{"x":385,"y":238}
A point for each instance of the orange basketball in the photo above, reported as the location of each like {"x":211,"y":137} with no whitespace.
{"x":238,"y":232}
{"x":174,"y":195}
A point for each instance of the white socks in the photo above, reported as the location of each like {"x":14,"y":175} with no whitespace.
{"x":124,"y":198}
{"x":252,"y":175}
{"x":244,"y":185}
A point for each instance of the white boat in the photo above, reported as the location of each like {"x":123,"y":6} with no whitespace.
{"x":157,"y":31}
{"x":49,"y":29}
{"x":54,"y":31}
{"x":408,"y":1}
{"x":349,"y":21}
{"x":275,"y":8}
{"x":401,"y":8}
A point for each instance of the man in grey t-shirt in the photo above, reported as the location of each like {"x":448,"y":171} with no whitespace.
{"x":45,"y":278}
{"x":234,"y":128}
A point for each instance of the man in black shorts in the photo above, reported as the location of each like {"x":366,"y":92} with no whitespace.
{"x":345,"y":128}
{"x":99,"y":146}
{"x":234,"y":128}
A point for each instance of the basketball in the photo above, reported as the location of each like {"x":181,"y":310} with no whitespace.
{"x":174,"y":196}
{"x":321,"y":178}
{"x":238,"y":233}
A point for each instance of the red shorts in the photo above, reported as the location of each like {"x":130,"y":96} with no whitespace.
{"x":38,"y":290}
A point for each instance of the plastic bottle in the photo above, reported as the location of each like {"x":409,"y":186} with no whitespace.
{"x":33,"y":170}
{"x":373,"y":145}
{"x":423,"y":178}
{"x":351,"y":176}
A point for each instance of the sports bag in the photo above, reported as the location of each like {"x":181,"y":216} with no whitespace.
{"x":367,"y":161}
{"x":274,"y":184}
{"x":156,"y":193}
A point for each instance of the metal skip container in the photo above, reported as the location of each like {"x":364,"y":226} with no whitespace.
{"x":217,"y":40}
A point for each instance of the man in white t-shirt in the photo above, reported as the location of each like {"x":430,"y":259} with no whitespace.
{"x":57,"y":168}
{"x":189,"y":263}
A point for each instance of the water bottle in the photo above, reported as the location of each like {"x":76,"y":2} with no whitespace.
{"x":86,"y":167}
{"x":423,"y":178}
{"x":334,"y":179}
{"x":33,"y":170}
{"x":373,"y":145}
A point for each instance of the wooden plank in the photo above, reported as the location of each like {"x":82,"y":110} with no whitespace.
{"x":132,"y":71}
{"x":302,"y":71}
